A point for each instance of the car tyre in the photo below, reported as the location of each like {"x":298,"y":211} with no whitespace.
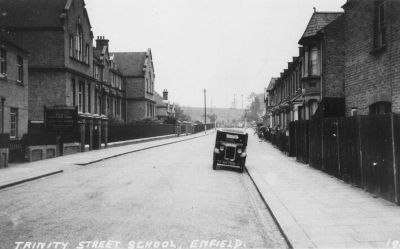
{"x":214,"y":163}
{"x":242,"y":165}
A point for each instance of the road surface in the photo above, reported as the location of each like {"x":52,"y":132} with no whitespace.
{"x":165,"y":197}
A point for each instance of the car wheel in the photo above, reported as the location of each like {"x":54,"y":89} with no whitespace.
{"x":242,"y":165}
{"x":214,"y":163}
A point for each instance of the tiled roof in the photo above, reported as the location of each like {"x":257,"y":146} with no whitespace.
{"x":4,"y":38}
{"x":272,"y":84}
{"x":159,"y":100}
{"x":35,"y":13}
{"x":318,"y":21}
{"x":131,"y":63}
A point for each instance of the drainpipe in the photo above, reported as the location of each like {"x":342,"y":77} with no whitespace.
{"x":2,"y":114}
{"x":320,"y":71}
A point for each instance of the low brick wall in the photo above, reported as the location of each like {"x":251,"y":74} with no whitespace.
{"x":3,"y":157}
{"x":71,"y":148}
{"x":40,"y":152}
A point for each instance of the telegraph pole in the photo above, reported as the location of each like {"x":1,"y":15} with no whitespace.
{"x":205,"y":112}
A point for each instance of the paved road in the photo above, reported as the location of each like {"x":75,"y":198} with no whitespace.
{"x":168,"y":194}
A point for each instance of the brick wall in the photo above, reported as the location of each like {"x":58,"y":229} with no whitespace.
{"x":333,"y":59}
{"x":77,"y":16}
{"x":46,"y":48}
{"x":394,"y":51}
{"x":15,"y":93}
{"x":135,"y":87}
{"x":369,"y":77}
{"x":45,"y":88}
{"x":136,"y":110}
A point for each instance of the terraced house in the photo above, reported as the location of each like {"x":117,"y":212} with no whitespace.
{"x":313,"y":82}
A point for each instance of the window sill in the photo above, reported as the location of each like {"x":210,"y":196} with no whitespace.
{"x":377,"y":50}
{"x":20,"y":83}
{"x":312,"y":77}
{"x":80,"y":62}
{"x":3,"y":77}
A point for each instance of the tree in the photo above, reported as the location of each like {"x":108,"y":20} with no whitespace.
{"x":254,"y":113}
{"x":180,"y":115}
{"x":213,"y":117}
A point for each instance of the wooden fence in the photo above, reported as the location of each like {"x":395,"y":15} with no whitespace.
{"x":362,"y":150}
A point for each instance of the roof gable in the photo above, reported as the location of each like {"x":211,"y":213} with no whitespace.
{"x":272,"y":84}
{"x":131,"y":63}
{"x":317,"y":22}
{"x":36,"y":13}
{"x":159,"y":100}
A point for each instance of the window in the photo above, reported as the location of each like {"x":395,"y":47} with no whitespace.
{"x":108,"y":106}
{"x":89,"y":98}
{"x":99,"y":104}
{"x":311,"y":62}
{"x":80,"y":96}
{"x":354,"y":111}
{"x":314,"y":61}
{"x":380,"y":25}
{"x":78,"y":43}
{"x":313,"y":107}
{"x":71,"y":46}
{"x":20,"y":69}
{"x":3,"y":62}
{"x":13,"y":122}
{"x":382,"y":107}
{"x":87,"y":54}
{"x":73,"y":92}
{"x":305,"y":63}
{"x":115,"y":107}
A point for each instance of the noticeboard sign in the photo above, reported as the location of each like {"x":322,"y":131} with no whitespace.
{"x":61,"y":118}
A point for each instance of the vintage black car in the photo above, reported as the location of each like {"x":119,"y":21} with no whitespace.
{"x":230,"y":148}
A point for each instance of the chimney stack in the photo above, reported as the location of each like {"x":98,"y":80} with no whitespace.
{"x":165,"y":94}
{"x":101,"y":41}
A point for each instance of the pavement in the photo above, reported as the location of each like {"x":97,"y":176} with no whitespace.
{"x":167,"y":194}
{"x":311,"y":208}
{"x":316,"y":210}
{"x":18,"y":173}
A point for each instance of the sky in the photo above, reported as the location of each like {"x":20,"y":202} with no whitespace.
{"x":228,"y":47}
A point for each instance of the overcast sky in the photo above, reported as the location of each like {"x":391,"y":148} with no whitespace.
{"x":226,"y":46}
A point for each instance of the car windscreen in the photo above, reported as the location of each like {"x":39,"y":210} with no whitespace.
{"x":232,"y":138}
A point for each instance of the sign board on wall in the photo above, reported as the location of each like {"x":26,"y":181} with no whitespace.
{"x":61,"y":118}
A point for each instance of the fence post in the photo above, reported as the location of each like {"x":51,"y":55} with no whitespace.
{"x":394,"y":159}
{"x":360,"y":148}
{"x":338,"y":148}
{"x":323,"y":167}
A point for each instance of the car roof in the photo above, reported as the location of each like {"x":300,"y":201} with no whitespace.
{"x":232,"y":131}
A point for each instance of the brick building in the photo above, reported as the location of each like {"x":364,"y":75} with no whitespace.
{"x":109,"y":96}
{"x":13,"y":96}
{"x":138,"y":71}
{"x":164,"y":108}
{"x":314,"y":80}
{"x":59,"y":38}
{"x":372,"y":61}
{"x":13,"y":89}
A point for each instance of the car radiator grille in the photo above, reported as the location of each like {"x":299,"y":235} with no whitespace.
{"x":230,"y":152}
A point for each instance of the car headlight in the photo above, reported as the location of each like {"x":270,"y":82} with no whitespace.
{"x":239,"y":151}
{"x":216,"y":150}
{"x":221,"y":148}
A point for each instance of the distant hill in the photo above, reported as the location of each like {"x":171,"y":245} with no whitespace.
{"x":223,"y":114}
